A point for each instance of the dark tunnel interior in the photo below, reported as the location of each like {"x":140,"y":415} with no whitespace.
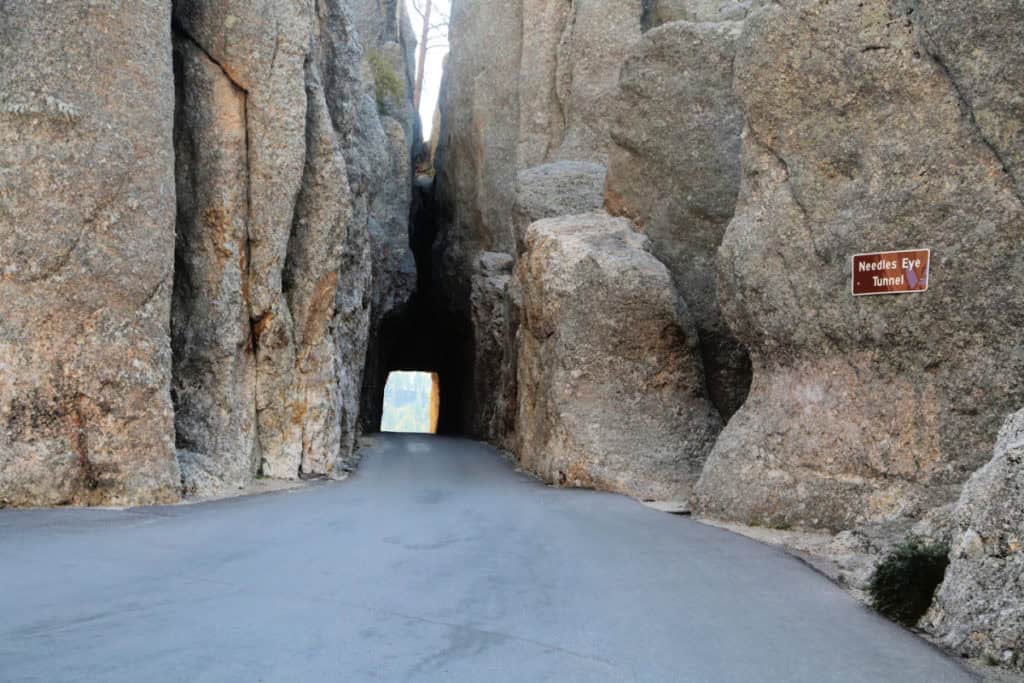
{"x":427,"y":334}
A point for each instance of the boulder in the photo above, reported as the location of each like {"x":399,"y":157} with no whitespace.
{"x":674,"y":169}
{"x":862,"y":409}
{"x":610,"y":384}
{"x":559,"y":188}
{"x":528,"y":87}
{"x":86,"y":253}
{"x":979,"y":608}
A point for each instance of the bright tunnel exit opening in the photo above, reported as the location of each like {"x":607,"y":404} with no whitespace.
{"x":412,"y":403}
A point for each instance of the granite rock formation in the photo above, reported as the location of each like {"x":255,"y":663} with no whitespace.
{"x":513,"y":149}
{"x":675,"y":171}
{"x":658,"y":12}
{"x":978,"y":610}
{"x":213,"y":250}
{"x":611,"y":389}
{"x":559,"y":188}
{"x":86,"y":253}
{"x":292,"y":253}
{"x":863,"y":409}
{"x":235,"y":339}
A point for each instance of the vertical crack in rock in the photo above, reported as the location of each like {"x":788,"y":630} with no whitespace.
{"x":212,"y":336}
{"x":980,"y":48}
{"x":428,"y":332}
{"x":323,"y":212}
{"x":674,"y":170}
{"x":969,"y":115}
{"x":298,"y":170}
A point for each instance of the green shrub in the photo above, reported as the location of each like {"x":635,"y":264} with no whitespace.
{"x":905,"y":580}
{"x":390,"y":89}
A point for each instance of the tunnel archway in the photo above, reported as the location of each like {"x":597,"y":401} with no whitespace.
{"x":422,"y":337}
{"x":412,"y":403}
{"x":431,"y":332}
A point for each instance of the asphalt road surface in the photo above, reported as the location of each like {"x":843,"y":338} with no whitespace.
{"x":435,"y":562}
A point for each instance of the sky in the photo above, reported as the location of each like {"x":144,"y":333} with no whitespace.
{"x":407,"y":403}
{"x":433,"y":71}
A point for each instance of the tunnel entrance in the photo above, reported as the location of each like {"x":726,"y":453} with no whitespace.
{"x":430,"y":332}
{"x":412,"y":403}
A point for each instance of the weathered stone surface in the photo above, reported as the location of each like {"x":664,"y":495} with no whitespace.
{"x":479,"y":122}
{"x":388,"y":137}
{"x":658,"y":12}
{"x":310,"y":281}
{"x":979,"y":608}
{"x":611,"y":389}
{"x":542,"y":85}
{"x":871,"y":408}
{"x":312,"y":180}
{"x":495,"y":309}
{"x":560,"y":188}
{"x":214,"y":374}
{"x":675,"y":171}
{"x":263,"y":49}
{"x":86,"y":253}
{"x":377,"y":21}
{"x":393,"y":266}
{"x":356,"y":115}
{"x":394,"y":269}
{"x":528,"y":83}
{"x":980,"y":45}
{"x":475,"y":170}
{"x":571,"y":56}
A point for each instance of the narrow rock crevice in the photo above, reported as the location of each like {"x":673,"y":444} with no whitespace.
{"x":426,"y":333}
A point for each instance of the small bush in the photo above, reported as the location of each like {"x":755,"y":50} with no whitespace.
{"x":904,"y":582}
{"x":390,"y":88}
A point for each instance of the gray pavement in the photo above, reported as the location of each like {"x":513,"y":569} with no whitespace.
{"x":435,"y":562}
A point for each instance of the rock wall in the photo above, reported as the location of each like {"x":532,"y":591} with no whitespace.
{"x":674,"y":170}
{"x":388,"y":139}
{"x":206,"y":273}
{"x":236,"y":338}
{"x":978,"y":610}
{"x":658,"y":12}
{"x":860,"y":137}
{"x":528,"y":86}
{"x":611,"y":389}
{"x":319,"y":145}
{"x":569,"y":62}
{"x":657,"y":110}
{"x":86,"y":253}
{"x":758,"y":146}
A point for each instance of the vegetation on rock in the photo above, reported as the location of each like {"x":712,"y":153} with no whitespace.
{"x":390,"y":88}
{"x":905,"y":580}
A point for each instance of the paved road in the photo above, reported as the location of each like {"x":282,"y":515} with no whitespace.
{"x":436,"y":562}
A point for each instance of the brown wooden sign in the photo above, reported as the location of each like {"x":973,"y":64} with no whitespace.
{"x":891,"y":272}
